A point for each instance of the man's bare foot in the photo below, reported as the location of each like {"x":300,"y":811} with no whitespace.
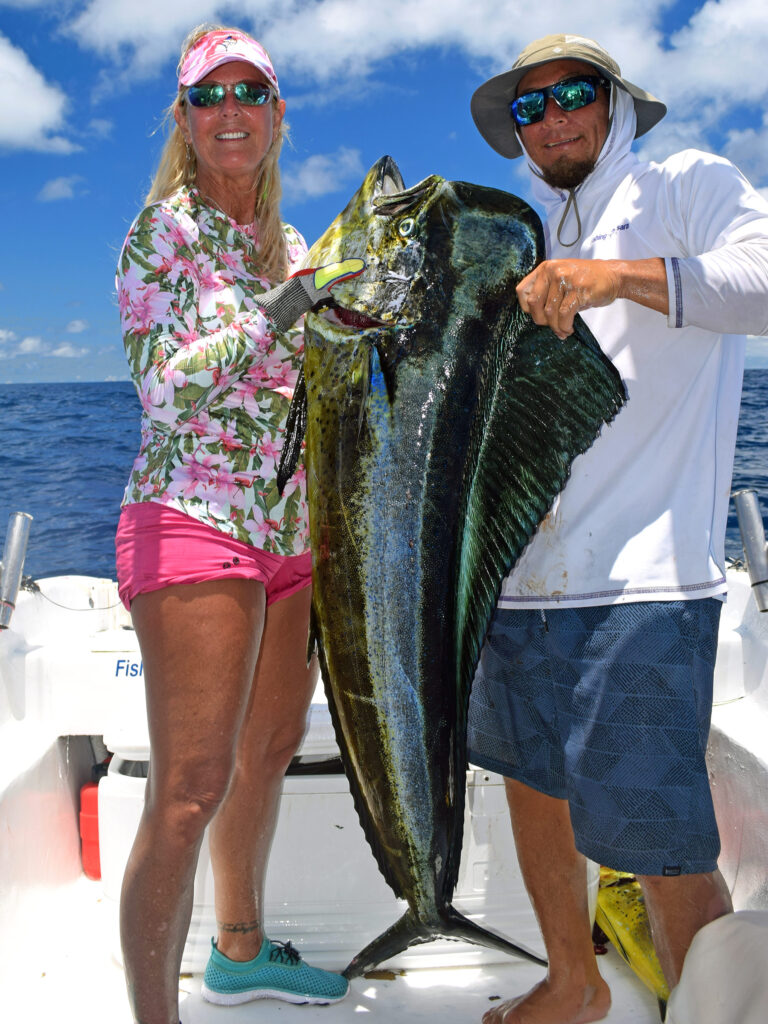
{"x":546,"y":1005}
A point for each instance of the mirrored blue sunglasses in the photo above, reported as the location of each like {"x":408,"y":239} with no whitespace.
{"x":210,"y":94}
{"x":570,"y":94}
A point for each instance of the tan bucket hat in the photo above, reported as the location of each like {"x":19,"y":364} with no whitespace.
{"x":490,"y":103}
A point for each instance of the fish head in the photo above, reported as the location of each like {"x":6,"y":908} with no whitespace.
{"x":429,"y":249}
{"x":387,"y":226}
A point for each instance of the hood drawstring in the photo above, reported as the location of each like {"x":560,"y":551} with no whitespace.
{"x":571,"y":203}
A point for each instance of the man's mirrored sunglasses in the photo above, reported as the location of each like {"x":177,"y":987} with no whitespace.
{"x":570,"y":94}
{"x":210,"y":94}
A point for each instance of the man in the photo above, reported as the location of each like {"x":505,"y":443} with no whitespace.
{"x":594,"y":690}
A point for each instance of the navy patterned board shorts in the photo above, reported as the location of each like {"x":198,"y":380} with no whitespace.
{"x":609,"y":708}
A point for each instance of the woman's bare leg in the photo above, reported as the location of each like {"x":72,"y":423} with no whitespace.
{"x":199,"y":644}
{"x":241,"y":833}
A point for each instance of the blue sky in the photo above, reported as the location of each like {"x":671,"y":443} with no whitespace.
{"x":84,"y":84}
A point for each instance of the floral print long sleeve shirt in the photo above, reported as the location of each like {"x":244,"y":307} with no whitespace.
{"x":213,"y":374}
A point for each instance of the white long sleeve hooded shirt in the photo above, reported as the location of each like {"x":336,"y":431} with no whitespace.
{"x":643,"y":514}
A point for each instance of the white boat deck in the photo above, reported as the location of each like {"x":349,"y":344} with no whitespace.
{"x":58,"y":929}
{"x":75,"y":980}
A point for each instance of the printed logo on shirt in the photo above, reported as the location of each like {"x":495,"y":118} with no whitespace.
{"x":611,"y":233}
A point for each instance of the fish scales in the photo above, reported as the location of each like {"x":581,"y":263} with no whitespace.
{"x":441,"y":423}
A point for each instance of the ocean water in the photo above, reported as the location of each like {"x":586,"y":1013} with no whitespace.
{"x":68,"y":448}
{"x":67,"y":453}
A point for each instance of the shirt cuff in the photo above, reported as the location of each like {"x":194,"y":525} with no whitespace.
{"x":675,"y":292}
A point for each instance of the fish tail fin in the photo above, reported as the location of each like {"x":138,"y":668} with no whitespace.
{"x":457,"y":926}
{"x":295,"y":429}
{"x":409,"y":931}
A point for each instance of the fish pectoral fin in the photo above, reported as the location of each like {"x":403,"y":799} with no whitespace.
{"x":377,"y":388}
{"x":313,"y":634}
{"x":381,"y":374}
{"x":295,"y":429}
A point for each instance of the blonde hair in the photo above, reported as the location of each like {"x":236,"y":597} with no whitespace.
{"x":178,"y":167}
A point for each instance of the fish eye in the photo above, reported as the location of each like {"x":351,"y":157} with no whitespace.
{"x":406,"y":226}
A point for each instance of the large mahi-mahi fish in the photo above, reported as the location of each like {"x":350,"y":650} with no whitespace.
{"x":441,"y":423}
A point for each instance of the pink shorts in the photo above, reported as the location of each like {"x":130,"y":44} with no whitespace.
{"x":159,"y":547}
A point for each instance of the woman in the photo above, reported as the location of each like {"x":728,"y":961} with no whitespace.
{"x":212,"y":560}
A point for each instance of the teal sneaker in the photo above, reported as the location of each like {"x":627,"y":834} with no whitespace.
{"x":278,"y":972}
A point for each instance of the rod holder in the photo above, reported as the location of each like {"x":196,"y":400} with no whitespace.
{"x":753,"y":541}
{"x":12,"y":564}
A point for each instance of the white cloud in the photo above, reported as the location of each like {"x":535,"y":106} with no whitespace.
{"x":33,"y":345}
{"x":323,"y":174}
{"x":68,"y":351}
{"x":705,"y":72}
{"x":100,"y":127}
{"x":140,"y":36}
{"x":33,"y":109}
{"x":29,"y":346}
{"x":348,"y":39}
{"x":60,"y":188}
{"x":77,"y":326}
{"x":723,"y":45}
{"x":331,"y":40}
{"x":708,"y":69}
{"x":748,"y":149}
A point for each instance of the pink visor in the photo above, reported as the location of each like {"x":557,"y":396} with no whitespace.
{"x":220,"y":47}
